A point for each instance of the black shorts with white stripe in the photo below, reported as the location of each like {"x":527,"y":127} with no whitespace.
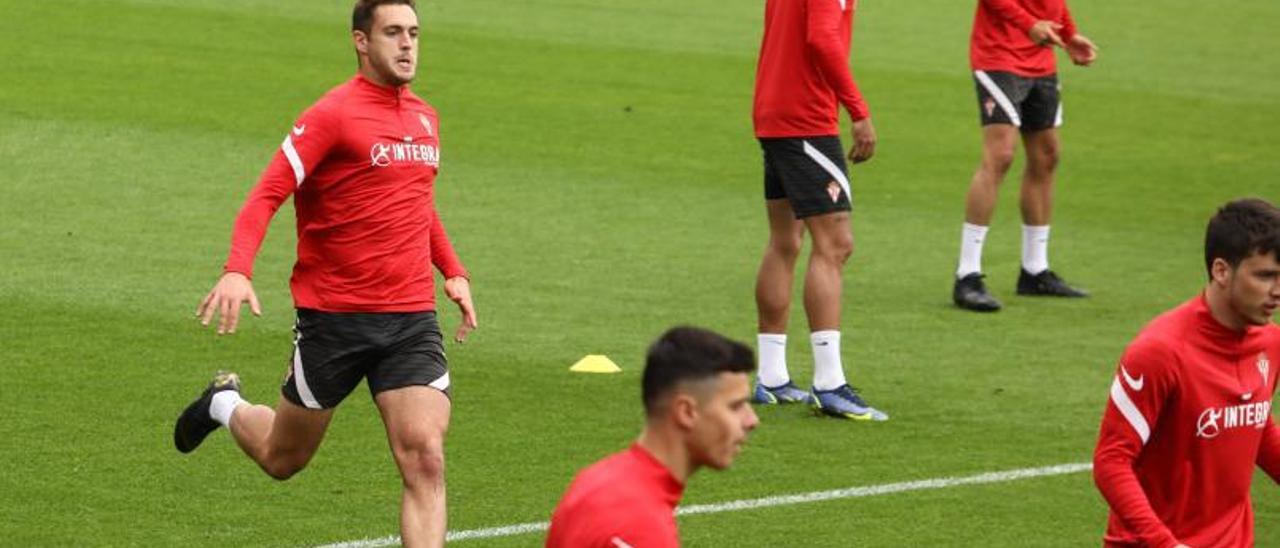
{"x":807,"y":171}
{"x":333,"y":351}
{"x":1031,"y":104}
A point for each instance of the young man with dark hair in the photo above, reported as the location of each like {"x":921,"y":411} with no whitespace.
{"x":695,"y":390}
{"x":1190,"y":410}
{"x":361,"y":165}
{"x":1015,"y":73}
{"x":802,"y":80}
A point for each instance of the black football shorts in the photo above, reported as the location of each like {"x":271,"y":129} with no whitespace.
{"x":333,"y":351}
{"x":809,"y":172}
{"x":1031,"y":104}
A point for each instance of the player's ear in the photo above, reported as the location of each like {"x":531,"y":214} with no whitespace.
{"x":684,"y":409}
{"x":1221,"y":272}
{"x":361,"y":41}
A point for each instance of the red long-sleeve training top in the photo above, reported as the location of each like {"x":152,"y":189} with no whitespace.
{"x":1188,"y":419}
{"x":1000,"y":41}
{"x":803,"y":76}
{"x":361,"y":164}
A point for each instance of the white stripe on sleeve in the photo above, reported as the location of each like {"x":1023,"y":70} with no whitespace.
{"x":294,"y":160}
{"x":1130,"y":411}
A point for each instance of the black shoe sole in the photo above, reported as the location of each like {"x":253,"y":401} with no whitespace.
{"x":195,"y":424}
{"x":191,"y":429}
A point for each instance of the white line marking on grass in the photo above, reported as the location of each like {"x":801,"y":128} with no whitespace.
{"x":765,"y":502}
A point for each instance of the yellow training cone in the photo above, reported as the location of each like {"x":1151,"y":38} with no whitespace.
{"x":595,"y":363}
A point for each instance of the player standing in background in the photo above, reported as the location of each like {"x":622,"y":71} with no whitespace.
{"x":1190,"y":409}
{"x":802,"y":80}
{"x":1015,"y":71}
{"x":695,"y":390}
{"x":361,"y":165}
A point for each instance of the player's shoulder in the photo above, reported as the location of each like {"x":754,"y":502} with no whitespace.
{"x":416,"y":101}
{"x":1159,"y":343}
{"x":331,"y":104}
{"x":1271,"y":336}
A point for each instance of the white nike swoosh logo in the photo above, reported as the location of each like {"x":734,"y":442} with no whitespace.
{"x":297,"y":130}
{"x":1135,"y":384}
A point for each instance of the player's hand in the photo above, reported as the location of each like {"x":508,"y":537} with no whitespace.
{"x":231,"y":291}
{"x":864,"y":141}
{"x":1046,"y":33}
{"x":1082,"y":50}
{"x":459,"y":291}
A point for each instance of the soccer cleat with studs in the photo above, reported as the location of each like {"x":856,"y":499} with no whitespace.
{"x":1046,"y":284}
{"x":195,"y":423}
{"x":970,"y":293}
{"x":845,"y":402}
{"x":787,"y":393}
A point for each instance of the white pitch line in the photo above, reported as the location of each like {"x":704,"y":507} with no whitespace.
{"x":765,"y":502}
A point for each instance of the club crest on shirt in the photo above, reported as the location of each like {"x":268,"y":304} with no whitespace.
{"x":1264,"y":367}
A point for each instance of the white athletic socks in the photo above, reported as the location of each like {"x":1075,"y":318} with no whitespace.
{"x":1035,"y":249}
{"x":223,"y":404}
{"x":773,"y":359}
{"x":971,"y":240}
{"x":828,"y":372}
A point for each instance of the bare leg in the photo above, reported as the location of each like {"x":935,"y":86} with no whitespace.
{"x":832,"y":245}
{"x":777,"y":268}
{"x":417,"y":418}
{"x":281,"y":440}
{"x":1037,"y":180}
{"x":998,"y":144}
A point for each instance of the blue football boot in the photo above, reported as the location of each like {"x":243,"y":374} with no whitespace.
{"x":847,"y":403}
{"x":787,"y":393}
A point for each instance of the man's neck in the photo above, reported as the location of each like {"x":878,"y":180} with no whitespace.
{"x":1220,"y":308}
{"x":669,"y":448}
{"x":372,"y":76}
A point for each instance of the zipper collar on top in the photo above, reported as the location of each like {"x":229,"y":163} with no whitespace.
{"x":390,"y":93}
{"x":1220,"y":337}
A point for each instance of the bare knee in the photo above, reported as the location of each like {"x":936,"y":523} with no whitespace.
{"x":997,"y":160}
{"x":1044,"y":159}
{"x":284,"y":468}
{"x":421,"y":463}
{"x":836,"y":248}
{"x":787,"y":247}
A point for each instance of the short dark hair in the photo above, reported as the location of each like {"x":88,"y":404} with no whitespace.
{"x":684,"y":354}
{"x":1240,"y":229}
{"x":362,"y":14}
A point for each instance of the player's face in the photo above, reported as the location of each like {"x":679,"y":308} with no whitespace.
{"x":391,"y":48}
{"x":1254,"y":288}
{"x":724,"y":419}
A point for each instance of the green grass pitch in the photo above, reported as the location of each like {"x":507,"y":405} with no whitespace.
{"x":601,"y":181}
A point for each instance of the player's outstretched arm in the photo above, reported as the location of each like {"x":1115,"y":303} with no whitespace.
{"x":864,"y":141}
{"x":232,"y":290}
{"x":1082,"y":50}
{"x":458,"y":289}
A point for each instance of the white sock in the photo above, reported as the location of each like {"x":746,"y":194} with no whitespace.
{"x":828,"y":372}
{"x":223,"y":404}
{"x":772,"y":348}
{"x":971,"y":239}
{"x":1035,"y":248}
